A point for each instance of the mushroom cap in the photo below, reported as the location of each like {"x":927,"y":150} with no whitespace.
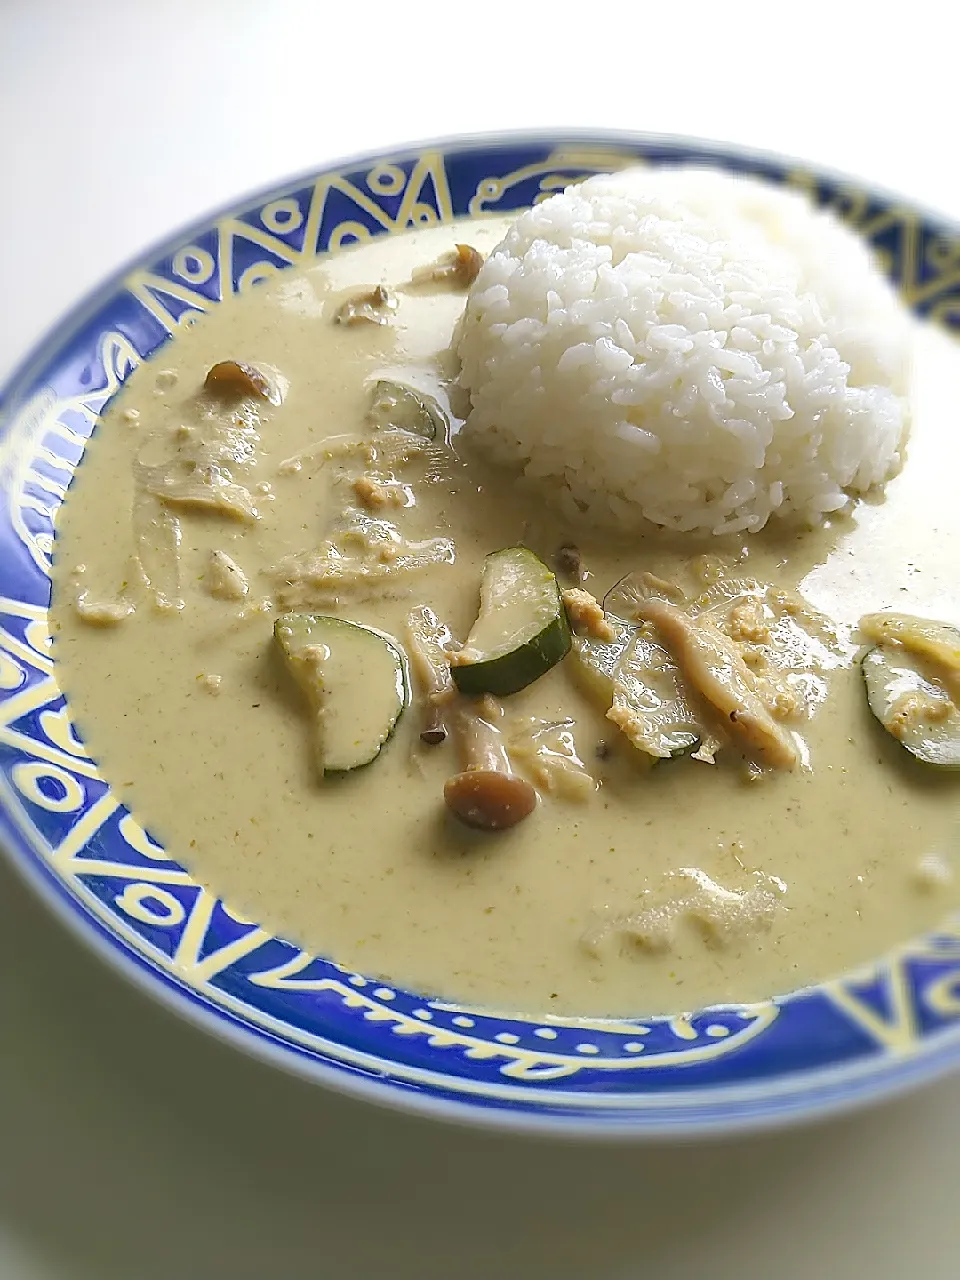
{"x":233,"y":380}
{"x":489,"y":799}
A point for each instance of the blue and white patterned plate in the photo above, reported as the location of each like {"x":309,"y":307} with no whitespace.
{"x":852,"y":1039}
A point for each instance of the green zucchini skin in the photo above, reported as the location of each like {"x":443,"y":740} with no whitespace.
{"x":395,"y":405}
{"x":634,"y":674}
{"x":520,"y":596}
{"x":330,"y":658}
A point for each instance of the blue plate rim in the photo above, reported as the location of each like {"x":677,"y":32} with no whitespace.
{"x":796,"y":1107}
{"x":67,"y":323}
{"x":806,"y":1096}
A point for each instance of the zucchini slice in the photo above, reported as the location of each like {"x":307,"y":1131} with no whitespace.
{"x":395,"y":405}
{"x":912,"y":707}
{"x":640,"y":687}
{"x":649,"y":703}
{"x":622,"y":598}
{"x":597,"y":662}
{"x":521,"y":631}
{"x":355,"y":681}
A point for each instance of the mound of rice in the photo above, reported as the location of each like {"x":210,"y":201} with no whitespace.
{"x":686,"y":348}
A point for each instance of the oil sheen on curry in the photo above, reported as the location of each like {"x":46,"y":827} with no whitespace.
{"x":393,"y":706}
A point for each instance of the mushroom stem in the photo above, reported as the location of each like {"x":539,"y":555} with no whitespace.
{"x":434,"y":729}
{"x":480,"y":742}
{"x":487,"y":794}
{"x":427,"y":638}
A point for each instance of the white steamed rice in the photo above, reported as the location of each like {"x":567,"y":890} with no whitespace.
{"x":687,"y":348}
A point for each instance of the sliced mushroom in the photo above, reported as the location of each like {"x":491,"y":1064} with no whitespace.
{"x":232,"y":380}
{"x":373,"y":307}
{"x":487,"y":794}
{"x":711,"y":663}
{"x":459,"y":268}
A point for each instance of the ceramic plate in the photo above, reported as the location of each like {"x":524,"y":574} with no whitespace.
{"x":858,"y":1037}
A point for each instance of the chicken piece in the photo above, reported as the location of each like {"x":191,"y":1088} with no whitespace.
{"x":711,"y":663}
{"x":746,"y":621}
{"x":586,"y":614}
{"x":782,"y":701}
{"x":340,"y":446}
{"x":224,"y":579}
{"x":787,"y":602}
{"x":635,"y":728}
{"x":913,"y":710}
{"x":754,"y":657}
{"x":102,"y":613}
{"x":374,"y":494}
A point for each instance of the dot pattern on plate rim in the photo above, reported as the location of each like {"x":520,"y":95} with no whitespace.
{"x":845,"y":1040}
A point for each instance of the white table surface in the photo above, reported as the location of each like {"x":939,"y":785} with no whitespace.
{"x":132,"y":1147}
